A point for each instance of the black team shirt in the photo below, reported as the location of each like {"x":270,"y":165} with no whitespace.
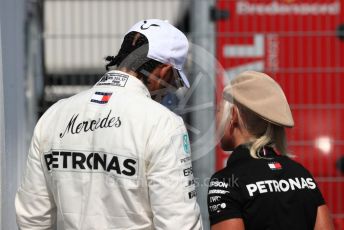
{"x":273,"y":192}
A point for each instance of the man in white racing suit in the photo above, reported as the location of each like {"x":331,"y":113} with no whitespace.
{"x":111,"y":157}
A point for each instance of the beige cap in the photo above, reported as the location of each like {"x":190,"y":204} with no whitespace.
{"x":261,"y":94}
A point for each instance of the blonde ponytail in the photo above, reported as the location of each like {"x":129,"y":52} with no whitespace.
{"x":225,"y":117}
{"x":280,"y":140}
{"x":263,"y":132}
{"x":261,"y":141}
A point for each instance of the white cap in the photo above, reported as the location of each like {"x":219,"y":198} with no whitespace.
{"x":167,"y":44}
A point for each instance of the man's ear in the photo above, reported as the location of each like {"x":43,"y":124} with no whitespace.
{"x":167,"y":78}
{"x":166,"y":72}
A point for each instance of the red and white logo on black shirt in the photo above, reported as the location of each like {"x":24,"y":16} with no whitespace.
{"x":275,"y":166}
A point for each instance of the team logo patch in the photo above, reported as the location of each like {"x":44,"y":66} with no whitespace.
{"x":113,"y":79}
{"x":275,"y":166}
{"x":101,"y":97}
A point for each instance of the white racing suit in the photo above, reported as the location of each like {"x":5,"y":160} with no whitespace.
{"x":109,"y":158}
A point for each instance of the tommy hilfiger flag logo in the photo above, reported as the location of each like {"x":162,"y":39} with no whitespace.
{"x":275,"y":166}
{"x":101,"y":97}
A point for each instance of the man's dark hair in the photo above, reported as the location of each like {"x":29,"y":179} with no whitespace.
{"x":133,"y":55}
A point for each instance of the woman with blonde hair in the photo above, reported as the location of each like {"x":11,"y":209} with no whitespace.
{"x":261,"y":187}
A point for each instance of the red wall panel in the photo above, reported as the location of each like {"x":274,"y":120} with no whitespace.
{"x":295,"y":42}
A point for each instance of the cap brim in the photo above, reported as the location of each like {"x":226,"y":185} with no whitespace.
{"x":184,"y":78}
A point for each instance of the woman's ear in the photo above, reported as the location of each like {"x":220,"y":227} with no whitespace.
{"x":234,"y":116}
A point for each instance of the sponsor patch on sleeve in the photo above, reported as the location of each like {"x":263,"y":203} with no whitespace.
{"x":219,"y":191}
{"x":181,"y":146}
{"x":186,"y":143}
